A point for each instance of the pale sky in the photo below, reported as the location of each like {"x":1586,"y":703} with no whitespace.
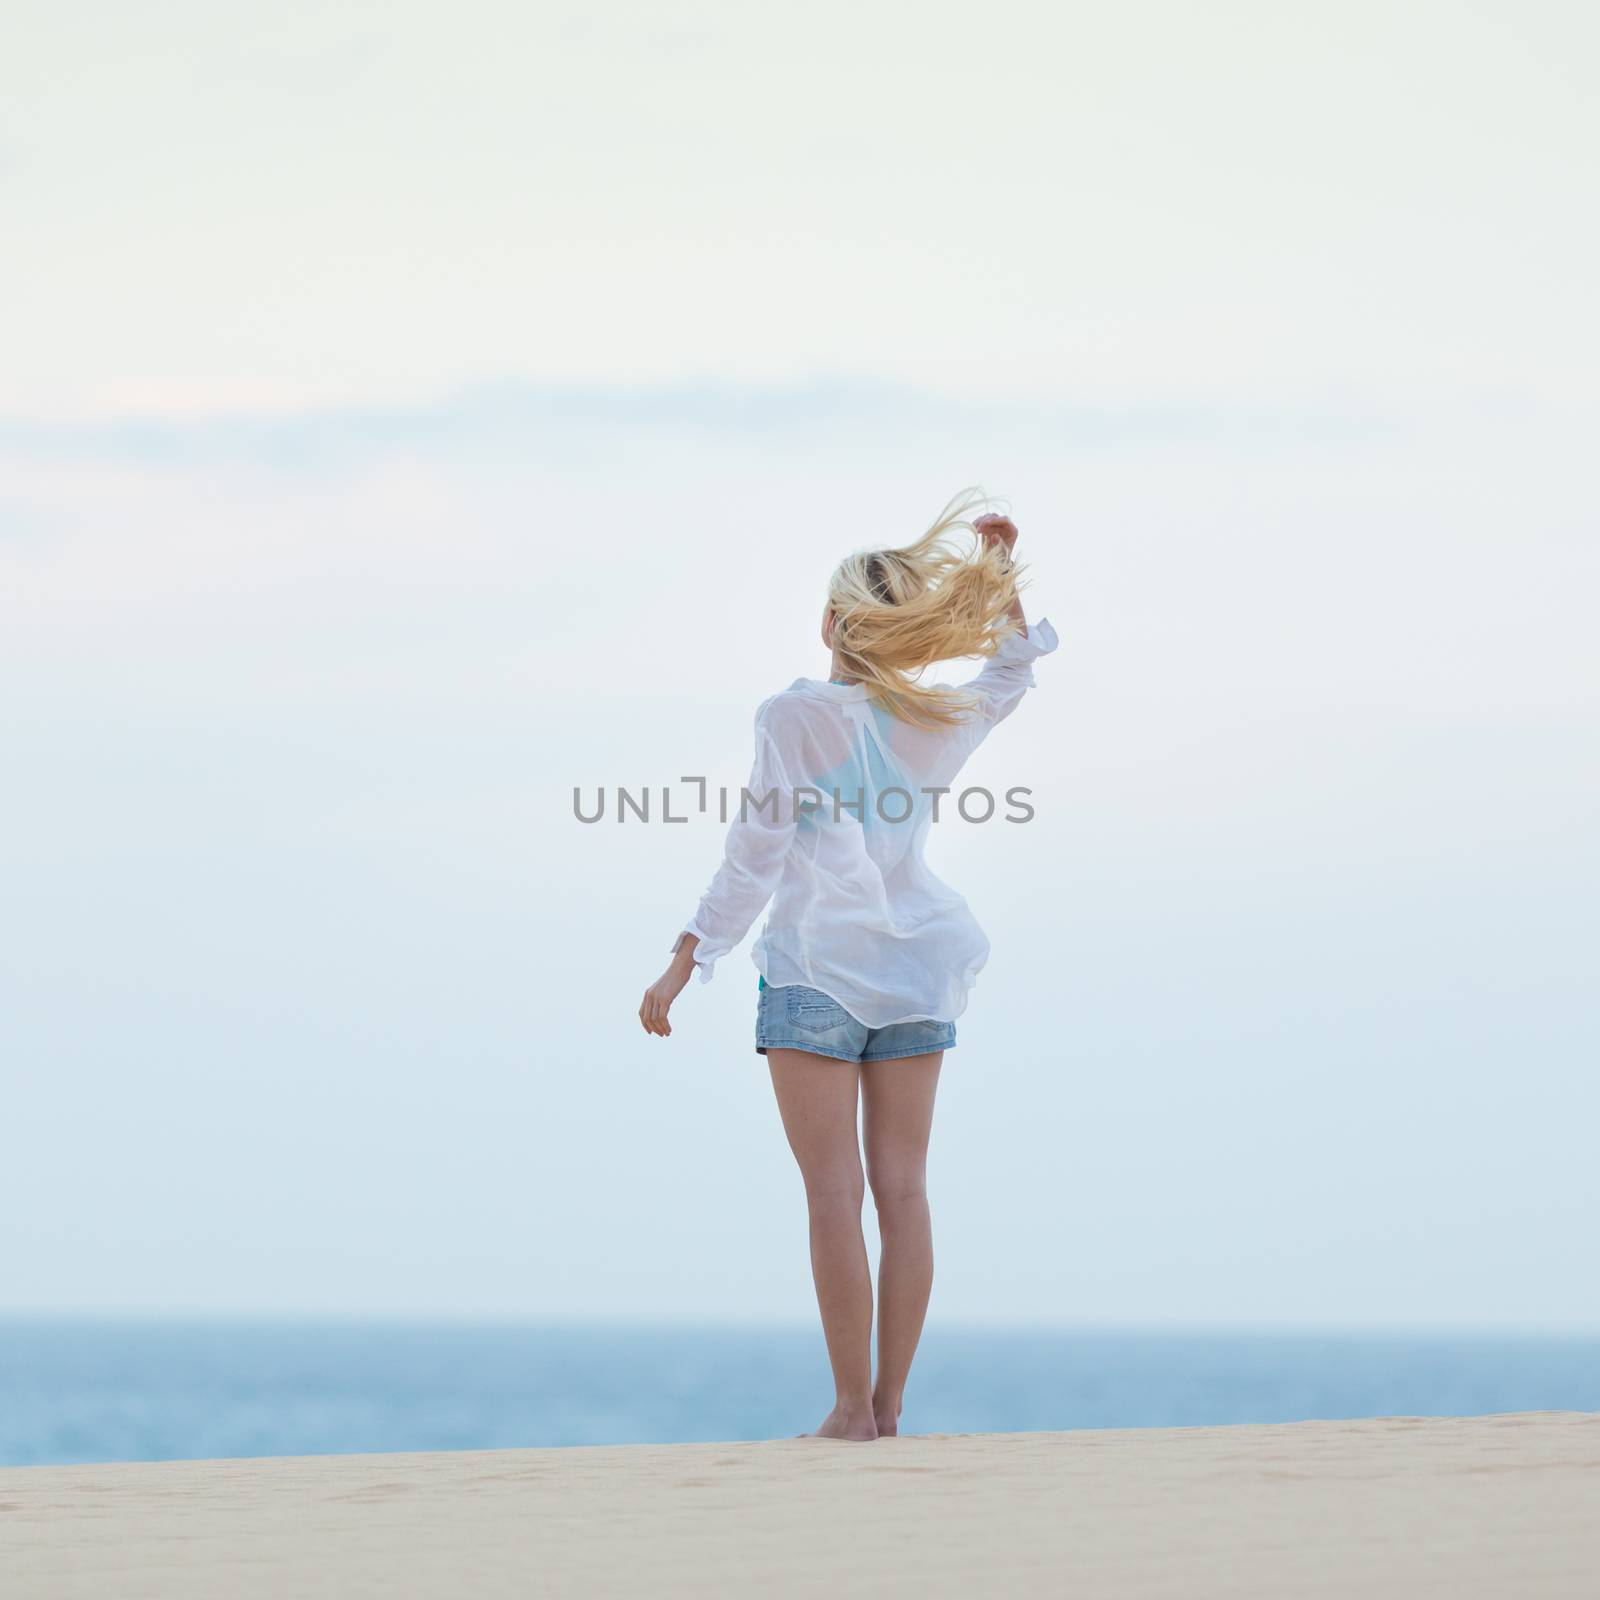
{"x":406,"y":416}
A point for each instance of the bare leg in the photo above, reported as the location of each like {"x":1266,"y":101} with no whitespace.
{"x":897,"y":1099}
{"x":817,"y":1100}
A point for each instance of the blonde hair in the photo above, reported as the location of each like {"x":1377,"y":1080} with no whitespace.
{"x":898,"y":611}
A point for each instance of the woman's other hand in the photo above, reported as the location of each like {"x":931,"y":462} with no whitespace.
{"x":659,"y":996}
{"x":996,"y":529}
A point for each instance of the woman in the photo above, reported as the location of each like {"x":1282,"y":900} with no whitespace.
{"x":866,"y":957}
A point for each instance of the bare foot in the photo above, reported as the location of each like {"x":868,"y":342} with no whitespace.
{"x":887,"y":1419}
{"x":843,"y":1424}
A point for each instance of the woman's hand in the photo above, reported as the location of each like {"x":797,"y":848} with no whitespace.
{"x":659,"y":996}
{"x":1001,"y":532}
{"x":996,"y":529}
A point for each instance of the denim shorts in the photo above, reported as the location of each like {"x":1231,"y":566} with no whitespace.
{"x":797,"y":1018}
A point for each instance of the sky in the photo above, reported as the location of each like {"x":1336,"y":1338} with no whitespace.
{"x":408,"y":418}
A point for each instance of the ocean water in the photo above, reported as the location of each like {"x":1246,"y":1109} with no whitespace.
{"x":104,"y":1391}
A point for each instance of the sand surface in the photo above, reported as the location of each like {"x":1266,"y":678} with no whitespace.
{"x":1505,"y":1506}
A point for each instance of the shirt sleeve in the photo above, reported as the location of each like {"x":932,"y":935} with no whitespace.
{"x":758,"y":841}
{"x":1008,"y":675}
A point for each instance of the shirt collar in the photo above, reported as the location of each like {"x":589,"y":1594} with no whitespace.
{"x":832,"y":691}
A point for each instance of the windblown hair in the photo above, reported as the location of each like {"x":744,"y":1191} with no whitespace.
{"x":898,"y":611}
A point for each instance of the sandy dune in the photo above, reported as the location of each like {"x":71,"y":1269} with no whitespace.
{"x":1504,"y":1506}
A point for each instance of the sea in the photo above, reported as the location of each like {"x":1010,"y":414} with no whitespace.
{"x":83,"y":1391}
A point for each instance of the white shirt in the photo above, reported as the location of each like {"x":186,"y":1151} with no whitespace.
{"x":855,"y":911}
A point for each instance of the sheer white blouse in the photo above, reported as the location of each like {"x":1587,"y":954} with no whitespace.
{"x":837,"y":847}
